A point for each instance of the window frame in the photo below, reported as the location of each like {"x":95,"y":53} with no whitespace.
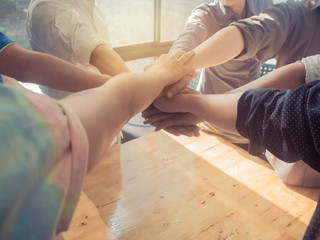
{"x":147,"y":49}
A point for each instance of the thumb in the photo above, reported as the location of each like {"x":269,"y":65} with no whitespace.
{"x":173,"y":89}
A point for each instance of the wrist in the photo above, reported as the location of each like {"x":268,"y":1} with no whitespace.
{"x":190,"y":102}
{"x":158,"y":76}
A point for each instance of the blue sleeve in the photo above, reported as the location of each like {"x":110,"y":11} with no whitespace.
{"x":4,"y":41}
{"x":284,"y":122}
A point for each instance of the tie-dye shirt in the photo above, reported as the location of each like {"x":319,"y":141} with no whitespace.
{"x":4,"y":42}
{"x":43,"y":159}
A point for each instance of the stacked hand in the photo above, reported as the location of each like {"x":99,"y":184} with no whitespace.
{"x":169,"y":114}
{"x":167,"y":111}
{"x":172,"y":69}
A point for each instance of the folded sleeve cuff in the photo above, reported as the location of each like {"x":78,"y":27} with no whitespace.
{"x":312,"y":67}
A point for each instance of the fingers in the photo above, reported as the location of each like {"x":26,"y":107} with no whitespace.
{"x":151,"y":110}
{"x":165,"y":124}
{"x":173,"y":131}
{"x":146,"y":67}
{"x":193,"y":129}
{"x":189,"y":91}
{"x":186,"y":57}
{"x":178,"y":54}
{"x":173,"y":89}
{"x":177,"y":119}
{"x":157,"y":118}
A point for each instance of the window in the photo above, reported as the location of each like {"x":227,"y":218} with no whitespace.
{"x":12,"y":18}
{"x":129,"y":21}
{"x":174,"y":15}
{"x":138,"y":28}
{"x":145,"y":28}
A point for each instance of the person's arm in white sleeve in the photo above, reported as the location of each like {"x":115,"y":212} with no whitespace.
{"x":88,"y":46}
{"x":107,"y":60}
{"x":312,"y":67}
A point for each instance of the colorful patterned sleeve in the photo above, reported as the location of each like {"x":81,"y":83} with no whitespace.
{"x":43,"y":155}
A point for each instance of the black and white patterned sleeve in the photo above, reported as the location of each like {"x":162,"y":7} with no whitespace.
{"x":287,"y":123}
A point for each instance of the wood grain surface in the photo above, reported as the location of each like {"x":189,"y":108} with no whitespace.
{"x":165,"y":187}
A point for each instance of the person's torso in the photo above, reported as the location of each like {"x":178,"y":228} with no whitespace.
{"x":49,"y":39}
{"x":234,"y":73}
{"x":90,"y":15}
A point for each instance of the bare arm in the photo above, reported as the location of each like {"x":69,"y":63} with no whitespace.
{"x":47,"y":70}
{"x":223,"y":46}
{"x":108,"y":61}
{"x":11,"y":81}
{"x":287,"y":77}
{"x":220,"y":110}
{"x":104,"y":110}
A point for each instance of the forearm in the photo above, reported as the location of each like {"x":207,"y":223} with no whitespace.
{"x":108,"y":61}
{"x":223,"y":46}
{"x":47,"y":70}
{"x":219,"y":110}
{"x":105,"y":110}
{"x":10,"y":81}
{"x":65,"y":76}
{"x":289,"y":76}
{"x":135,"y":95}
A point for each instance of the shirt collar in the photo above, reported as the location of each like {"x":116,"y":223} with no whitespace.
{"x":227,"y":13}
{"x":249,"y":8}
{"x":230,"y":16}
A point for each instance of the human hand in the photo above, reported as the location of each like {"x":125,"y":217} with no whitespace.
{"x":168,"y":115}
{"x":174,"y":89}
{"x":188,"y":130}
{"x":171,"y":68}
{"x":175,"y":123}
{"x":163,"y":106}
{"x":176,"y":103}
{"x":164,"y":120}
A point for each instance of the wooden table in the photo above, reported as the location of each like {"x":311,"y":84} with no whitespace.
{"x":165,"y":187}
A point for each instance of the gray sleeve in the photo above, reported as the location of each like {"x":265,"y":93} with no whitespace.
{"x":200,"y":25}
{"x":265,"y":34}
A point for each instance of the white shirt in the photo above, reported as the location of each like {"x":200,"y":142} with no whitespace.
{"x":312,"y":66}
{"x":67,"y":29}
